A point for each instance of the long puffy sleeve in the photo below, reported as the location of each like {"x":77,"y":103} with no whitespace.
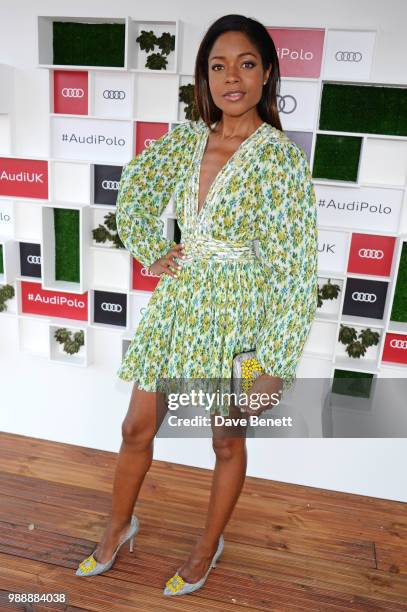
{"x":145,"y":188}
{"x":288,"y":248}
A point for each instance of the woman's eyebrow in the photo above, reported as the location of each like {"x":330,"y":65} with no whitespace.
{"x":239,"y":54}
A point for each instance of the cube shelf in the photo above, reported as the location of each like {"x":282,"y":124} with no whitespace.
{"x":55,"y":252}
{"x":59,"y":352}
{"x":157,"y":45}
{"x":57,"y":49}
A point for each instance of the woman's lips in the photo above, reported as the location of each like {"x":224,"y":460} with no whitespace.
{"x":234,"y":97}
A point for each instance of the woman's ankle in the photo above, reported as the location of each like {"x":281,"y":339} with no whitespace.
{"x":116,"y":526}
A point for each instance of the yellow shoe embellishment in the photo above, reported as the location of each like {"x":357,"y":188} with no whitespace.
{"x":88,"y":564}
{"x":175,"y":583}
{"x":91,"y":567}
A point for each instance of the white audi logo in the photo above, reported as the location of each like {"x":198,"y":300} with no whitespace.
{"x":145,"y":272}
{"x":400,"y":344}
{"x":70,"y":92}
{"x":34,"y":259}
{"x":107,"y":307}
{"x":371,"y":253}
{"x":348,"y":56}
{"x":114,"y":94}
{"x":358,"y":296}
{"x":148,"y":141}
{"x":113,"y":185}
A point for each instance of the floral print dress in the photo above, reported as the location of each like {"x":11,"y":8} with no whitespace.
{"x":225,"y":300}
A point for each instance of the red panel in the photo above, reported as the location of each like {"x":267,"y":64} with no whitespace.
{"x":71,"y":92}
{"x":36,"y":300}
{"x":24,"y":178}
{"x":142,"y":279}
{"x":395,"y":348}
{"x":299,"y":51}
{"x":148,"y":131}
{"x":371,"y":254}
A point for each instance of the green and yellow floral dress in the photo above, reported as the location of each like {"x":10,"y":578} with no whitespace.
{"x":250,"y":279}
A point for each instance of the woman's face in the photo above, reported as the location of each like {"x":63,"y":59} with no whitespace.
{"x":234,"y":65}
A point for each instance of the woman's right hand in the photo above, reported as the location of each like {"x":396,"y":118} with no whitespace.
{"x":166,"y":264}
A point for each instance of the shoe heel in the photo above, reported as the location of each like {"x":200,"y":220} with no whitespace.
{"x":131,"y":544}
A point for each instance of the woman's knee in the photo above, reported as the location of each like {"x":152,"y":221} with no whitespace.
{"x":137,"y":434}
{"x":227,"y":448}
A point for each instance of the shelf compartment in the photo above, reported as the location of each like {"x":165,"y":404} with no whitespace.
{"x":57,"y":245}
{"x":76,"y":42}
{"x":138,"y":57}
{"x":57,"y":353}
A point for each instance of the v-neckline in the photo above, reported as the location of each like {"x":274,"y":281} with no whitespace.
{"x":201,"y":152}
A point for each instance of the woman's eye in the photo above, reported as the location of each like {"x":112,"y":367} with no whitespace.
{"x":247,"y":63}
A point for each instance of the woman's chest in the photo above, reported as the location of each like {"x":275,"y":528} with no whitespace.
{"x":223,"y":201}
{"x":215,"y":158}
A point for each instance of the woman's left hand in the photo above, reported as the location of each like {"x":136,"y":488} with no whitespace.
{"x":263,"y":394}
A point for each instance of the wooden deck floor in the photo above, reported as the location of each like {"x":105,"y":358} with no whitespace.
{"x":287,"y":547}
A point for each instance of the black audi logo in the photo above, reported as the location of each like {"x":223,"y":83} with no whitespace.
{"x":286,"y":104}
{"x":114,"y":94}
{"x":348,"y":56}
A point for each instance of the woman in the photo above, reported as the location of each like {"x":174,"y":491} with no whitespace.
{"x":235,"y":178}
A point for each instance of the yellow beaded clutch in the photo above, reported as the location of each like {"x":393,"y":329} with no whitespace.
{"x":246,"y":368}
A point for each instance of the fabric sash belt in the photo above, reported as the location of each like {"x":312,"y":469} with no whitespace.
{"x":206,"y":248}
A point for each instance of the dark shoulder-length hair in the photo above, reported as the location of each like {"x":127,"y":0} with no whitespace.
{"x":257,"y":33}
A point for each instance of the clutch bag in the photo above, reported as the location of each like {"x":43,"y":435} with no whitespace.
{"x":246,"y":368}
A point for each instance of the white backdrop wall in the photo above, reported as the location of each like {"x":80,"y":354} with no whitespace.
{"x":85,"y":406}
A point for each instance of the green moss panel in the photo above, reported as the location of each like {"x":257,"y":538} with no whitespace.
{"x":67,"y":245}
{"x":356,"y":384}
{"x":336,"y":157}
{"x":88,"y":44}
{"x":367,"y":109}
{"x":399,"y":308}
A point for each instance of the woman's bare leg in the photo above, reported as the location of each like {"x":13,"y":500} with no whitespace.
{"x":144,"y":416}
{"x":229,"y":475}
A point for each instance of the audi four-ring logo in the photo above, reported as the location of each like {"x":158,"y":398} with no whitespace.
{"x":114,"y":94}
{"x":400,"y":344}
{"x":148,"y":141}
{"x":34,"y":259}
{"x":286,"y":104}
{"x":71,"y":92}
{"x":348,"y":56}
{"x":358,"y":296}
{"x":107,"y":307}
{"x":371,"y":253}
{"x":113,"y":185}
